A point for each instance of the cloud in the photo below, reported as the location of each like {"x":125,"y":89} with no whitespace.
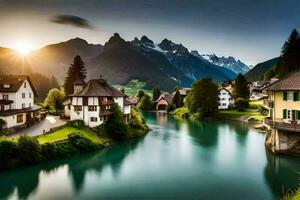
{"x":72,"y":20}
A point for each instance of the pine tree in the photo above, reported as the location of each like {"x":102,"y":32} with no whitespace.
{"x":155,"y":93}
{"x":240,"y":88}
{"x":290,"y":55}
{"x":76,"y":71}
{"x":177,"y":100}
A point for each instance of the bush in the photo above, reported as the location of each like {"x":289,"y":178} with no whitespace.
{"x":8,"y":151}
{"x":81,"y":143}
{"x":100,"y":130}
{"x":66,"y":150}
{"x":2,"y":123}
{"x":49,"y":151}
{"x":29,"y":150}
{"x":241,"y":104}
{"x":76,"y":124}
{"x":136,"y":119}
{"x":145,"y":103}
{"x":115,"y":126}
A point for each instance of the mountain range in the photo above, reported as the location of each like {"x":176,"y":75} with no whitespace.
{"x":165,"y":64}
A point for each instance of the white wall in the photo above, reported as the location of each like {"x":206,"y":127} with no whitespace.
{"x":127,"y":109}
{"x":18,"y":96}
{"x":11,"y":121}
{"x":225,"y":99}
{"x":119,"y":101}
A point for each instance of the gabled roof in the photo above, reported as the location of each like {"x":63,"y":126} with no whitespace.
{"x":224,"y":88}
{"x":98,"y":88}
{"x":166,"y":97}
{"x":289,"y":82}
{"x":14,"y":82}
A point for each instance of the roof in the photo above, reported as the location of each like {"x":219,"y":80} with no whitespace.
{"x":14,"y":82}
{"x":224,"y":88}
{"x":79,"y":82}
{"x":18,"y":111}
{"x":167,"y":97}
{"x":129,"y":101}
{"x":184,"y":91}
{"x":289,"y":82}
{"x":98,"y":88}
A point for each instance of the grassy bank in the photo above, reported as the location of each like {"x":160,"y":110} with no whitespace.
{"x":251,"y":114}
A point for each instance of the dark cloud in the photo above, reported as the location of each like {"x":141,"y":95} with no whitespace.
{"x":72,"y":20}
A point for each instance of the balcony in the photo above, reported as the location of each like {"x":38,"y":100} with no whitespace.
{"x":268,"y":103}
{"x":292,"y":126}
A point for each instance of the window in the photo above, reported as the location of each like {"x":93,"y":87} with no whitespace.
{"x":25,"y":85}
{"x":94,"y":119}
{"x":77,"y":108}
{"x":6,"y":86}
{"x":92,"y":108}
{"x":290,"y":96}
{"x":19,"y":118}
{"x":30,"y":95}
{"x":223,"y":104}
{"x":5,"y":96}
{"x":23,"y":105}
{"x":23,"y":95}
{"x":223,"y":99}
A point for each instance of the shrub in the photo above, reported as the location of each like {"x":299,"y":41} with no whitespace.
{"x":66,"y":150}
{"x":145,"y":103}
{"x":49,"y":151}
{"x":30,"y":150}
{"x":241,"y":104}
{"x":100,"y":130}
{"x":136,"y":119}
{"x":115,"y":125}
{"x":81,"y":143}
{"x":2,"y":123}
{"x":76,"y":124}
{"x":8,"y":151}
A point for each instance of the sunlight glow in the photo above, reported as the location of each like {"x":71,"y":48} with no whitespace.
{"x":23,"y":48}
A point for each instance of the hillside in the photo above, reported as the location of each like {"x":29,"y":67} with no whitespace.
{"x":257,"y":72}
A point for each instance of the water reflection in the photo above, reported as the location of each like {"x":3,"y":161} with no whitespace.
{"x":202,"y":156}
{"x":25,"y":180}
{"x":282,"y":173}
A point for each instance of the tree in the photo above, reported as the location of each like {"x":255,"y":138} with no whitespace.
{"x":241,"y":104}
{"x":31,"y":150}
{"x":241,"y":88}
{"x":155,"y":93}
{"x":145,"y":103}
{"x":289,"y":60}
{"x":76,"y":71}
{"x":269,"y":74}
{"x":115,"y":126}
{"x":177,"y":100}
{"x":140,"y":94}
{"x":203,"y":98}
{"x":55,"y":98}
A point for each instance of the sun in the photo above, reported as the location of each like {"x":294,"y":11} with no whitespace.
{"x":23,"y":48}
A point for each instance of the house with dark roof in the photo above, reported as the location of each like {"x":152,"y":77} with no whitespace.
{"x":166,"y":99}
{"x":226,"y":100}
{"x":91,"y":102}
{"x":17,"y":107}
{"x":283,"y":120}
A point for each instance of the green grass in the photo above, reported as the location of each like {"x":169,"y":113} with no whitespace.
{"x":134,"y":86}
{"x":255,"y":104}
{"x":63,"y":134}
{"x":235,"y":115}
{"x":294,"y":195}
{"x":180,"y":112}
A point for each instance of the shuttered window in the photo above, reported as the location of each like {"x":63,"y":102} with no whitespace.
{"x":296,"y":96}
{"x":284,"y":114}
{"x":284,"y":96}
{"x":297,"y":115}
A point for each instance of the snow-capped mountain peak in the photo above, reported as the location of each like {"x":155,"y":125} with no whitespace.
{"x":230,"y":62}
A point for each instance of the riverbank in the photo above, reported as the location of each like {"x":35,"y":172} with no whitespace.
{"x":65,"y":141}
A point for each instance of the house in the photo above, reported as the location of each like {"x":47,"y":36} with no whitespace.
{"x":166,"y":99}
{"x":226,"y":100}
{"x":91,"y":102}
{"x":163,"y":101}
{"x":17,"y":107}
{"x":283,"y":121}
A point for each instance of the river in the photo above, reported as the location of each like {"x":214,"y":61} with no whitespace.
{"x":176,"y":160}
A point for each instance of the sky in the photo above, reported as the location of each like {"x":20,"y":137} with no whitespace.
{"x":250,"y":30}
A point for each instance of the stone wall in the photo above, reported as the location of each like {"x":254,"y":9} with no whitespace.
{"x":279,"y":141}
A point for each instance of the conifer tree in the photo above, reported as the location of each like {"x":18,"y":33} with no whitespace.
{"x":177,"y":100}
{"x":76,"y":71}
{"x":290,"y":55}
{"x":155,"y":93}
{"x":240,"y":88}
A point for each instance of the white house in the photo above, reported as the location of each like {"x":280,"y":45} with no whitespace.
{"x":225,"y":99}
{"x":91,"y":102}
{"x":17,"y":107}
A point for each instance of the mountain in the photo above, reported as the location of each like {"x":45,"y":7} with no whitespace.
{"x":230,"y":62}
{"x":257,"y":72}
{"x":166,"y":64}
